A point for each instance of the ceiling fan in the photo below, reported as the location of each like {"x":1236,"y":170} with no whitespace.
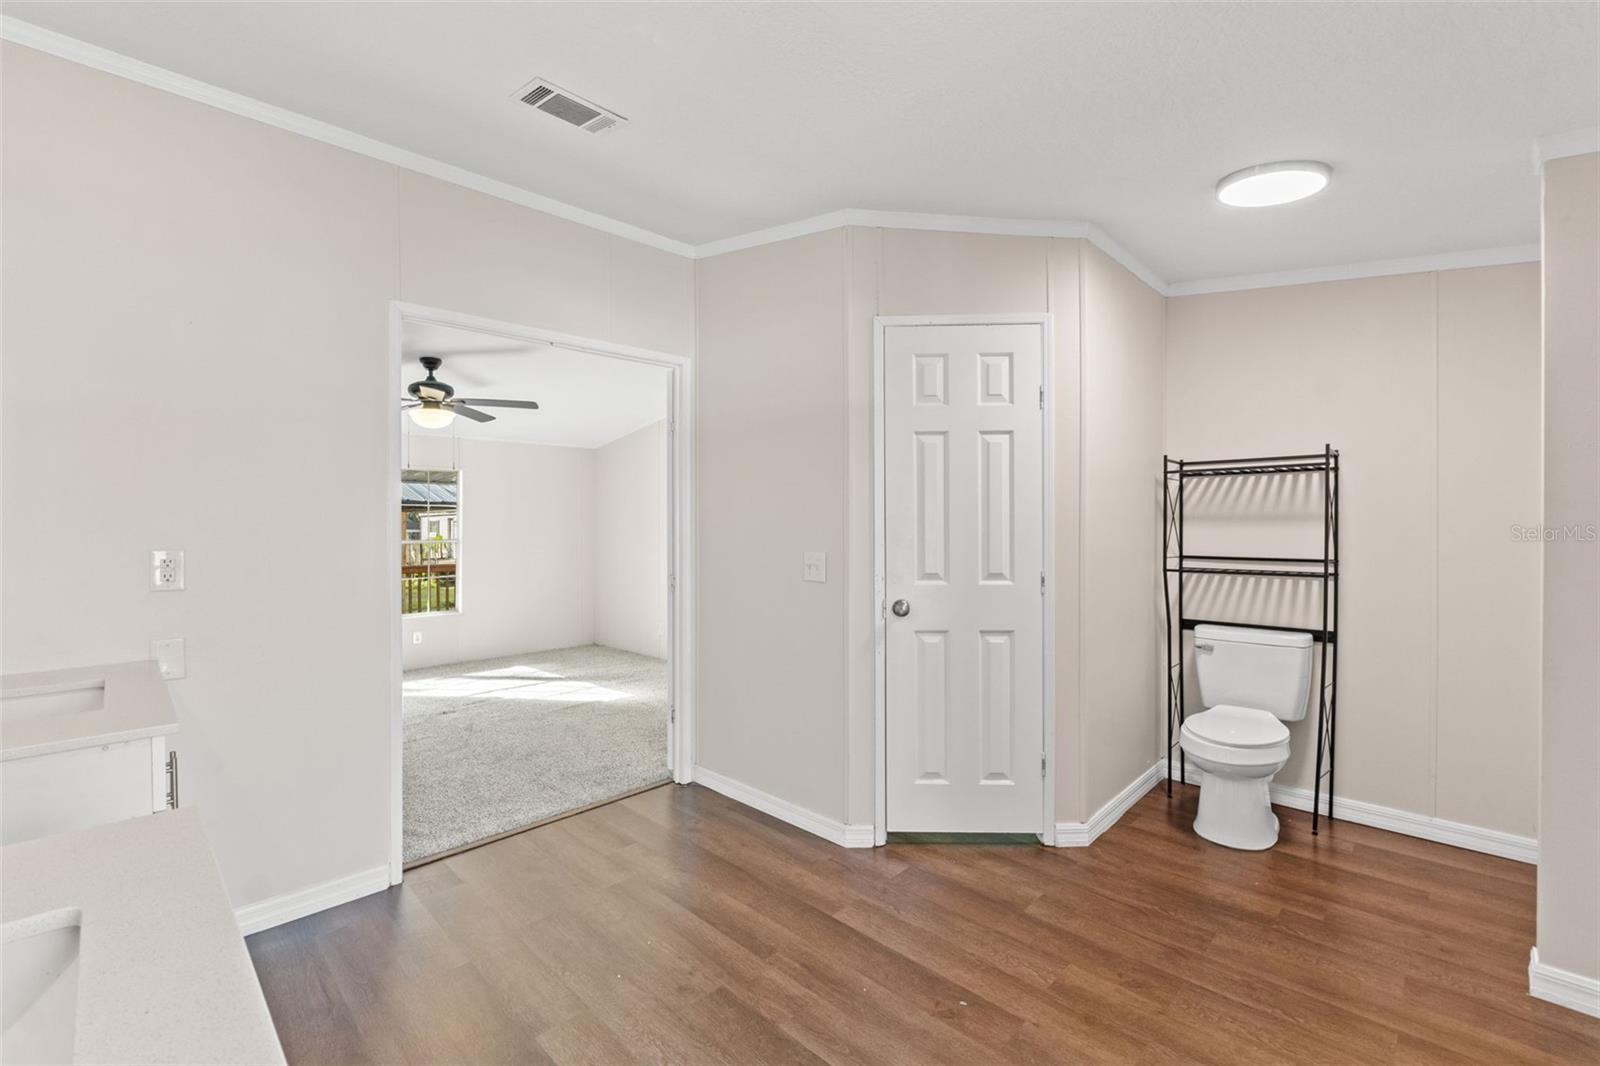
{"x":433,"y":404}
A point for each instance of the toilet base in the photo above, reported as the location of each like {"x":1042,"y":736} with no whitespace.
{"x":1236,"y":812}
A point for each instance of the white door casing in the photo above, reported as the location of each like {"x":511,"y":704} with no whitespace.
{"x":963,"y":469}
{"x":681,"y":648}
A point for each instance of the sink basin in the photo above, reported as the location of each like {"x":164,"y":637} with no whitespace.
{"x":28,"y":706}
{"x":39,"y":987}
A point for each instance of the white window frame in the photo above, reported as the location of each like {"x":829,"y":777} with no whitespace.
{"x":460,"y":530}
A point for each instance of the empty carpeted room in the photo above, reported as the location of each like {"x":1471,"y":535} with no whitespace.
{"x":742,"y":533}
{"x":533,"y":582}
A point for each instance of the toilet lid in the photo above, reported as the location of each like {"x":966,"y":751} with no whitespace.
{"x":1237,"y":727}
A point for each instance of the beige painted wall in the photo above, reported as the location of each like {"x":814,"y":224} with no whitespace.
{"x":770,"y":416}
{"x":1124,"y":356}
{"x":530,"y":540}
{"x":1428,"y":385}
{"x":160,"y":261}
{"x":630,"y":546}
{"x":1569,"y":797}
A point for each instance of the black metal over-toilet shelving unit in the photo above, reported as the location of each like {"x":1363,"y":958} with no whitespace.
{"x":1324,"y":570}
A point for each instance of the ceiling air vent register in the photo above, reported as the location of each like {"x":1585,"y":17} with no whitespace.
{"x":570,"y":108}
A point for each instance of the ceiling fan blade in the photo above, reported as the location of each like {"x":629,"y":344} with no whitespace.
{"x":467,"y":412}
{"x":526,"y":405}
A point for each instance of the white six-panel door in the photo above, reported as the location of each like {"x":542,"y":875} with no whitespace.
{"x":963,"y":523}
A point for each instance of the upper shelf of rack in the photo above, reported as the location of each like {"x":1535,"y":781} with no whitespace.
{"x":1317,"y":462}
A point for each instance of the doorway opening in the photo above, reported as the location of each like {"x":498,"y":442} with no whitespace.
{"x":539,"y":484}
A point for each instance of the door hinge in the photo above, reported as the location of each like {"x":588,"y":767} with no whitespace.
{"x":1041,"y":397}
{"x":1041,"y":582}
{"x":672,"y":715}
{"x":1041,"y":765}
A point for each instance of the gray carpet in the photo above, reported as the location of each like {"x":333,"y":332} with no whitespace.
{"x":502,"y":743}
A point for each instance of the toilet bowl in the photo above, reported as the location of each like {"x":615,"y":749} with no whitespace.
{"x":1237,"y":750}
{"x":1252,"y":681}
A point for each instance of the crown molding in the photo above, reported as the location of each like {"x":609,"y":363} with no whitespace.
{"x":89,"y":55}
{"x":1006,"y":227}
{"x":1573,"y":142}
{"x":1560,"y":145}
{"x":1377,"y":268}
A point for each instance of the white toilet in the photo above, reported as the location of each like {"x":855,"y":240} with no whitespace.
{"x":1251,"y":682}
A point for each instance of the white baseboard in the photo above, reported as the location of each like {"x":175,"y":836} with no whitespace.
{"x":1407,"y":823}
{"x":254,"y":917}
{"x":1563,"y":987}
{"x":1082,"y":834}
{"x":846,"y":836}
{"x":859,"y":836}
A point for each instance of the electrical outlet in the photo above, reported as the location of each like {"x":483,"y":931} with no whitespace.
{"x":416,"y":638}
{"x":170,"y":656}
{"x":814,"y":567}
{"x":166,"y":570}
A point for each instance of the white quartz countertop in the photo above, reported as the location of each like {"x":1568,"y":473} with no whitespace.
{"x":132,"y":703}
{"x":163,"y":974}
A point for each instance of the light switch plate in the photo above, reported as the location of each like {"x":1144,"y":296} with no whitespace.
{"x":814,"y":567}
{"x":166,"y":570}
{"x":169,"y":655}
{"x":416,"y":636}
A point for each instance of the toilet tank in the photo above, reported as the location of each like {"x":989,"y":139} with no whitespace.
{"x":1261,"y":668}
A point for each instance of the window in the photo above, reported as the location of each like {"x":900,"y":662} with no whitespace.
{"x":430,"y":540}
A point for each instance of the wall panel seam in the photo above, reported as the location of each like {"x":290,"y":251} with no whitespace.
{"x":1438,"y":547}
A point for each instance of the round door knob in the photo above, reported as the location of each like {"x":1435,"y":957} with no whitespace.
{"x":901,"y":608}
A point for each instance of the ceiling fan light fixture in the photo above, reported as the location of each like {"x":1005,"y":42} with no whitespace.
{"x":431,"y":414}
{"x":1270,"y":184}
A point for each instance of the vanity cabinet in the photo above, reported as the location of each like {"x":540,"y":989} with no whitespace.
{"x":75,"y":789}
{"x":84,"y":746}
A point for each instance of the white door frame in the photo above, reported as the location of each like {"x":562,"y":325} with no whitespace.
{"x":880,"y":607}
{"x":680,"y":546}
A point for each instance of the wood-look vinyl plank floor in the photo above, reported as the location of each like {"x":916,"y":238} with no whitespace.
{"x":677,"y":926}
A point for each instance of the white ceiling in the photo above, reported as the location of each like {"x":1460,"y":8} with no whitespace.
{"x":585,"y":400}
{"x":746,"y":116}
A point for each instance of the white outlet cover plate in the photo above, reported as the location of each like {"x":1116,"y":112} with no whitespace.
{"x":170,"y":656}
{"x":166,"y":570}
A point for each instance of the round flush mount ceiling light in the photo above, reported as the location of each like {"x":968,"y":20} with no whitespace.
{"x":1269,"y":184}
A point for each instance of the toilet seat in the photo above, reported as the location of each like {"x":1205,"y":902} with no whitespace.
{"x":1236,"y":736}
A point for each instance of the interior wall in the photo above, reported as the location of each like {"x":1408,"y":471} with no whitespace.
{"x":1569,"y":793}
{"x":1428,"y":384}
{"x":631,"y":515}
{"x":770,"y":418}
{"x":530,"y":537}
{"x":794,"y":303}
{"x":1124,"y":356}
{"x":149,"y":238}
